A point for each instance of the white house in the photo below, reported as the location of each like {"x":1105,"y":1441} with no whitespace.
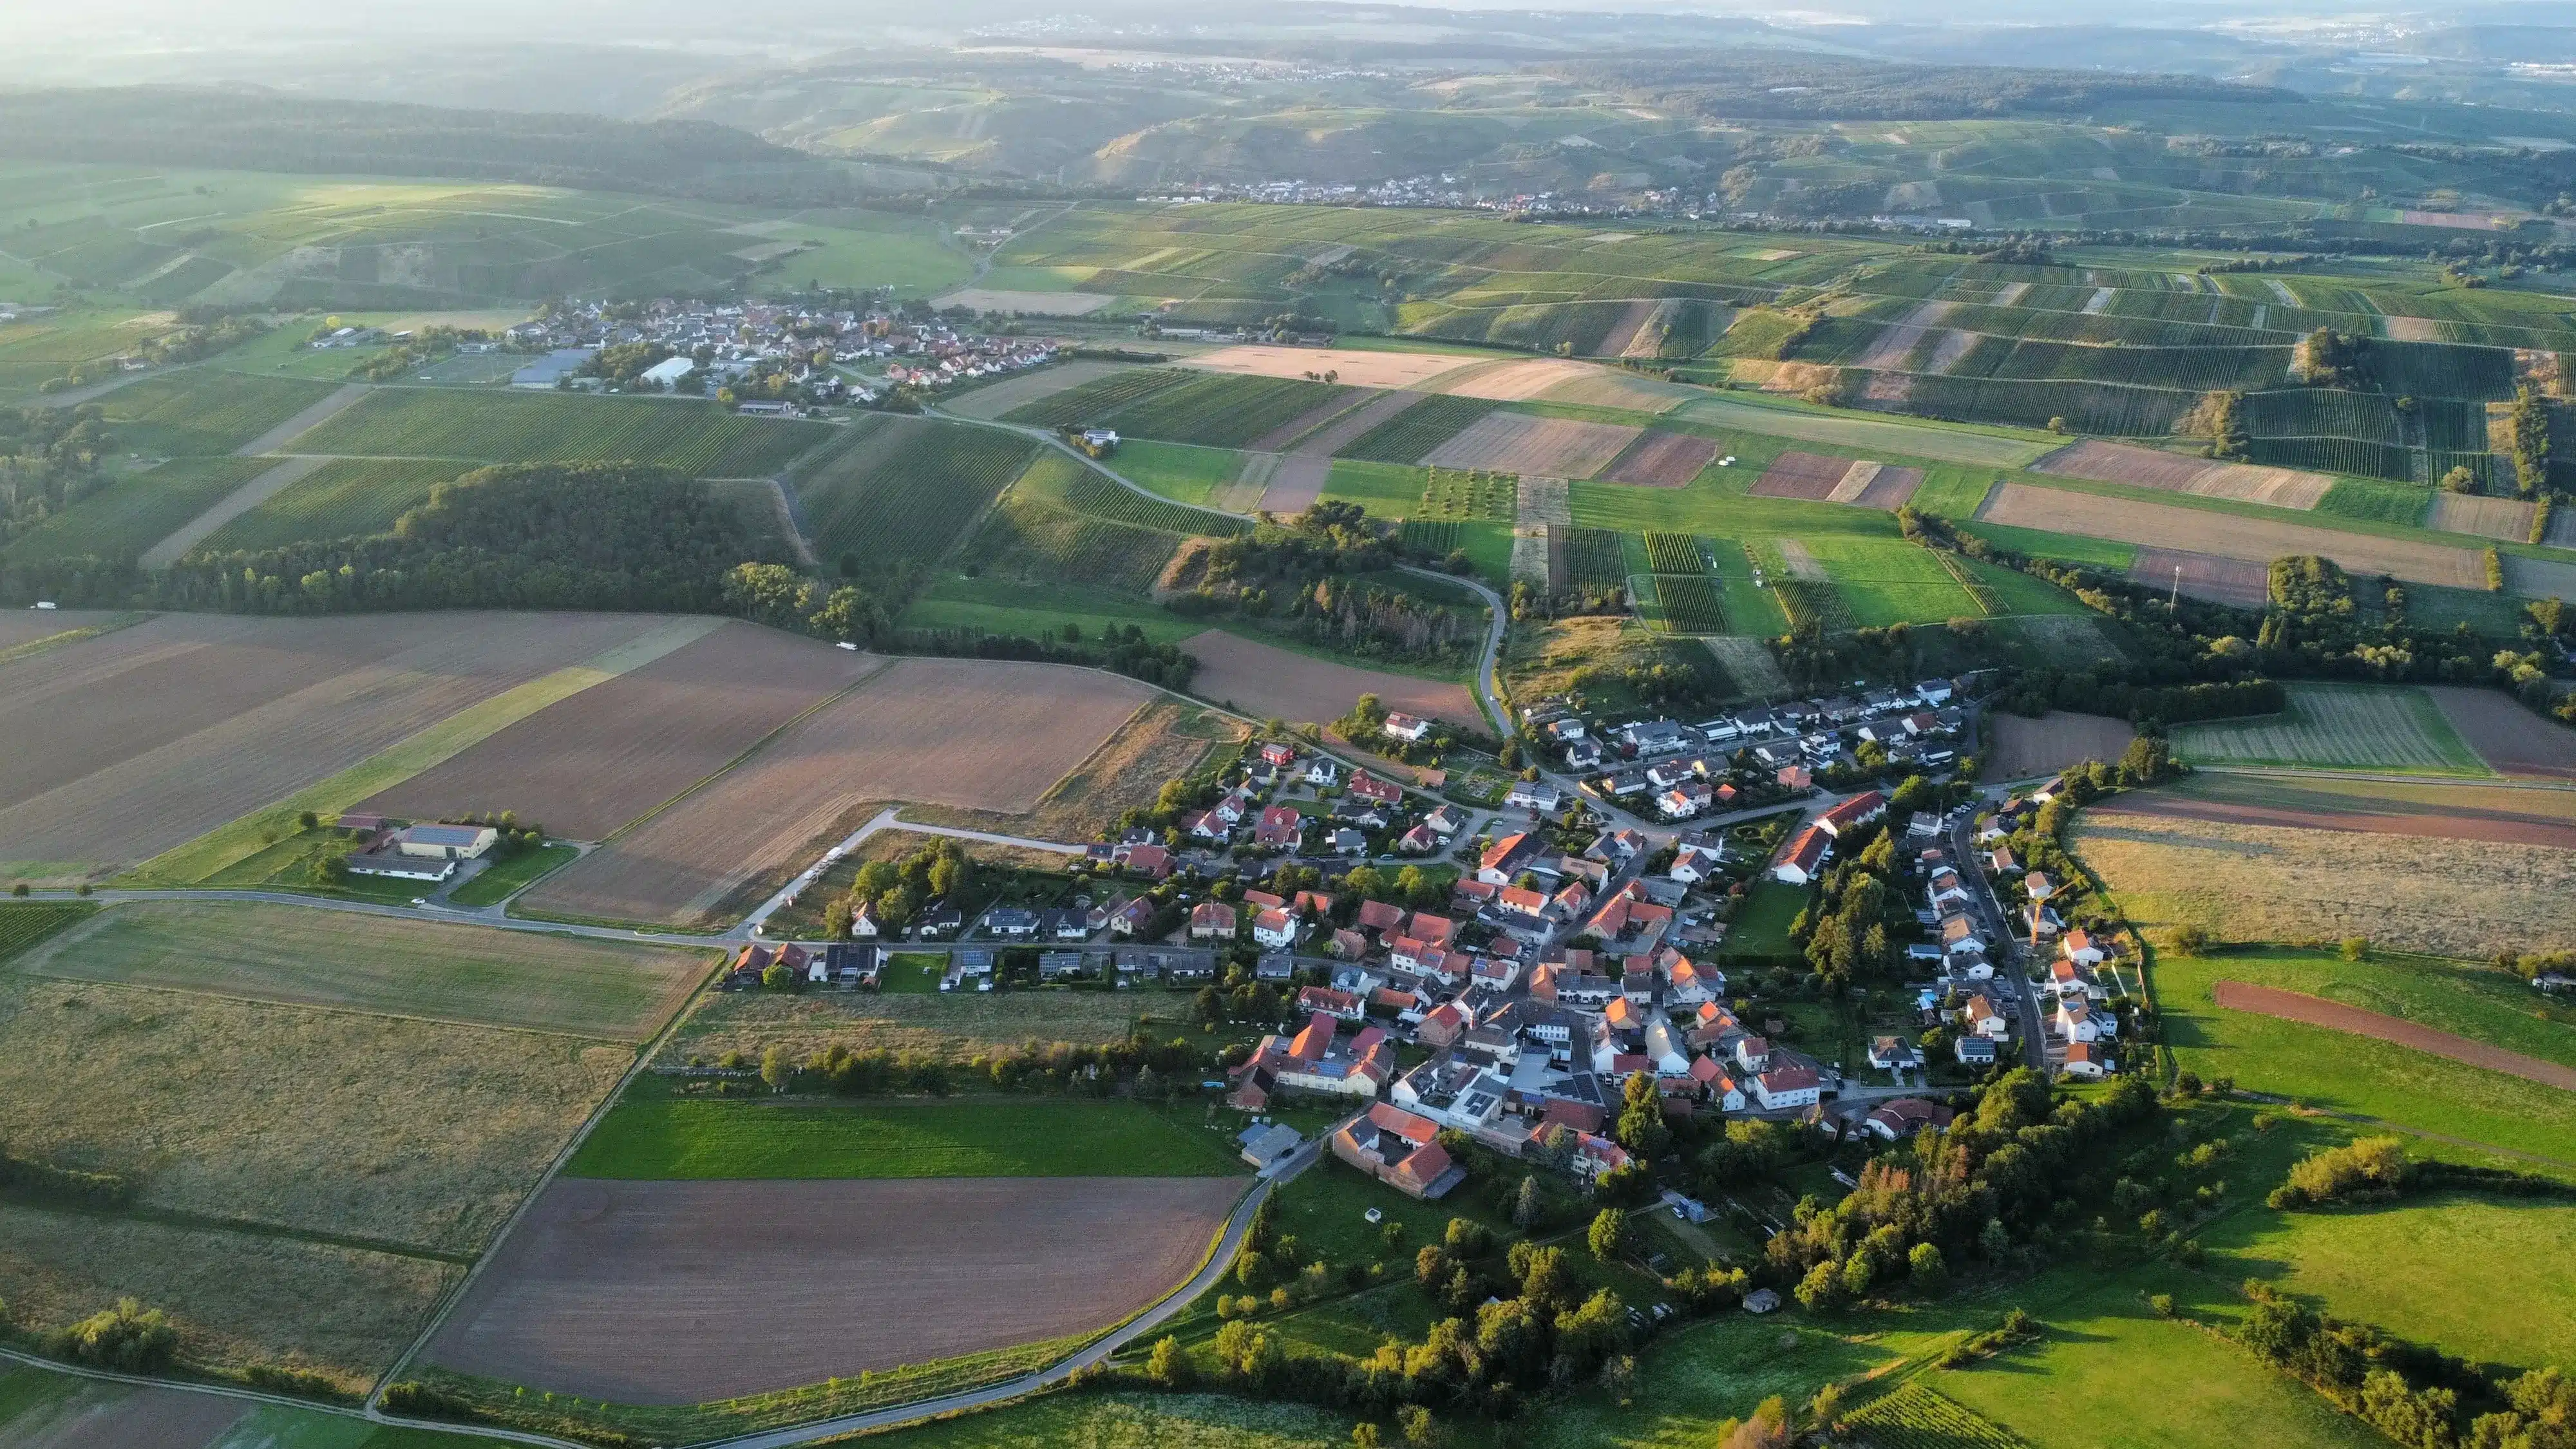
{"x":2077,"y":1021}
{"x":2086,"y":1061}
{"x":1408,"y":728}
{"x":1981,"y":1017}
{"x":1793,"y":1085}
{"x":1536,"y":795}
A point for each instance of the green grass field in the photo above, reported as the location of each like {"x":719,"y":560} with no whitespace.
{"x":204,"y":410}
{"x":1890,"y":581}
{"x":2376,"y":502}
{"x":498,"y":882}
{"x":2340,"y":727}
{"x":2362,"y":1075}
{"x":1178,"y":471}
{"x":1035,"y":607}
{"x":1133,"y":1421}
{"x":344,"y":498}
{"x":472,"y":974}
{"x":136,"y":510}
{"x":536,"y":427}
{"x":1761,"y":923}
{"x":652,"y":1134}
{"x":24,"y":923}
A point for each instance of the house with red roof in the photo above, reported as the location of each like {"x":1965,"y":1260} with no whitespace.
{"x":1280,"y":827}
{"x":1365,"y":786}
{"x":1401,"y":1149}
{"x":1211,"y":921}
{"x":1804,"y":859}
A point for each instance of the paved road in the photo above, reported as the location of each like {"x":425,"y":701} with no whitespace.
{"x":2010,"y":973}
{"x":887,"y":819}
{"x":1134,"y":1329}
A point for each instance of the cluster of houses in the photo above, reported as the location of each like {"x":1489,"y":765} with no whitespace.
{"x":1739,"y":760}
{"x":1368,"y":807}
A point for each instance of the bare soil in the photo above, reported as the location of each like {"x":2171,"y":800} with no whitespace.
{"x":1517,"y":381}
{"x":1273,"y":683}
{"x":2018,"y":748}
{"x":1295,"y":484}
{"x":1662,"y":460}
{"x":127,"y":744}
{"x":2511,"y":738}
{"x":1604,"y":387}
{"x":2464,"y":813}
{"x":2257,"y":540}
{"x":2507,"y":520}
{"x":588,"y":765}
{"x":1278,"y":438}
{"x":1353,"y":369}
{"x":1621,"y":339}
{"x":1794,"y":474}
{"x":980,"y":734}
{"x":26,"y":626}
{"x":2335,"y":1016}
{"x":1350,"y":427}
{"x":1520,"y":443}
{"x":1891,"y":490}
{"x":2237,"y":581}
{"x":2122,"y":463}
{"x":677,"y":1292}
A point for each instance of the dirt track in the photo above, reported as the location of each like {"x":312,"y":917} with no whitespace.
{"x":2335,"y":1016}
{"x":682,"y":1292}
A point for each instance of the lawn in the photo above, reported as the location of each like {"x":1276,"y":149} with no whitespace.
{"x":471,"y":974}
{"x":2339,"y":726}
{"x":2362,"y":1075}
{"x":1891,"y":581}
{"x":1386,"y":490}
{"x":499,"y":881}
{"x":1761,"y":924}
{"x":653,"y":1134}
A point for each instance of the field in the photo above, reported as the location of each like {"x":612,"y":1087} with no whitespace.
{"x":150,"y":736}
{"x":2335,"y":1016}
{"x":1133,"y":1421}
{"x":2445,"y":811}
{"x":1273,"y":683}
{"x":1810,"y":476}
{"x":2338,"y":726}
{"x":1415,"y":431}
{"x":581,"y":1298}
{"x":1514,"y":381}
{"x":654,"y":1135}
{"x":1225,"y":412}
{"x":307,"y":957}
{"x":1876,"y":434}
{"x":497,"y":883}
{"x":1357,"y":423}
{"x":2361,"y":1075}
{"x":2151,"y":468}
{"x":1546,"y":447}
{"x":45,"y":1410}
{"x":343,"y":498}
{"x":1915,"y":1416}
{"x":903,"y":489}
{"x":587,"y":765}
{"x":1092,"y":398}
{"x":2507,"y":736}
{"x":541,"y":427}
{"x":979,"y":734}
{"x":2162,"y":525}
{"x":992,"y":400}
{"x":205,"y":411}
{"x":1886,"y":581}
{"x":2022,"y":749}
{"x":2241,"y":582}
{"x":135,"y":510}
{"x":2505,"y":519}
{"x":1403,"y":370}
{"x":1662,"y":460}
{"x":951,"y":1027}
{"x":2244,"y":882}
{"x":1165,"y":739}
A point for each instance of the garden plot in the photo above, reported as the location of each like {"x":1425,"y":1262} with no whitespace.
{"x":2160,"y":525}
{"x":1546,"y":447}
{"x":587,"y":765}
{"x":874,"y":1274}
{"x":2241,"y":582}
{"x":1351,"y":368}
{"x":1811,"y":476}
{"x":135,"y":741}
{"x":1261,"y":679}
{"x":992,"y":401}
{"x":1659,"y":459}
{"x":2507,"y":520}
{"x":976,"y":734}
{"x":2338,"y":726}
{"x":1515,"y":381}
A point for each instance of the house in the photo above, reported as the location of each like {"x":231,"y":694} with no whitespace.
{"x":1901,"y":1117}
{"x":1347,"y":842}
{"x":1959,"y":936}
{"x":1420,"y":840}
{"x":2082,"y":948}
{"x":1144,"y":858}
{"x":1323,"y":771}
{"x":1132,"y":918}
{"x":1893,"y":1055}
{"x":1753,"y":1053}
{"x":1211,"y":921}
{"x":1934,"y":692}
{"x":1275,"y":929}
{"x":1204,"y":825}
{"x":1596,"y":1156}
{"x":1654,"y":737}
{"x":1792,"y":1085}
{"x":1689,"y":984}
{"x":1536,"y":796}
{"x":1582,"y":754}
{"x":1348,"y":944}
{"x":1401,"y":1149}
{"x":1340,"y":1005}
{"x":1368,"y":787}
{"x":1695,"y":864}
{"x":1975,"y":1051}
{"x":393,"y":864}
{"x":1380,"y":917}
{"x":2079,"y":1021}
{"x":1011,"y":923}
{"x":2038,"y":886}
{"x":1505,"y":858}
{"x":1944,"y":889}
{"x":1760,"y":1301}
{"x":1446,"y":820}
{"x":942,"y":920}
{"x":1263,"y":1146}
{"x":1274,"y":966}
{"x":445,"y":842}
{"x":1982,"y":1018}
{"x":2001,"y":861}
{"x":2085,"y":1060}
{"x":1723,"y":1091}
{"x":1280,"y":826}
{"x":1857,"y":811}
{"x":1409,"y":728}
{"x":1804,"y":858}
{"x":1277,"y":755}
{"x":1795,"y":778}
{"x":1059,"y":965}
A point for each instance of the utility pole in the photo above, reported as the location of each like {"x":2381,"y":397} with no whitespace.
{"x":2174,"y":604}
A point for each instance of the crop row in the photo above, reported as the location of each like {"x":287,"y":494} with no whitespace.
{"x":1673,"y":553}
{"x":1417,"y":430}
{"x":2454,"y":425}
{"x":1440,"y":536}
{"x":2198,"y":369}
{"x":2334,"y":455}
{"x":908,"y":496}
{"x":1219,"y":411}
{"x":1915,"y":1416}
{"x":2101,"y":409}
{"x":1595,"y":558}
{"x":2317,"y":412}
{"x":1085,"y":491}
{"x":1470,"y":495}
{"x":344,"y":498}
{"x":2442,"y":369}
{"x":1036,"y":535}
{"x":1095,"y":400}
{"x":1690,"y":604}
{"x":203,"y":411}
{"x":696,"y":438}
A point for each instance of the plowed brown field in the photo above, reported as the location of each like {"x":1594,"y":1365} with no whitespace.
{"x":978,"y":734}
{"x":2500,"y":814}
{"x":2022,"y":748}
{"x":130,"y":743}
{"x":2335,"y":1016}
{"x":1891,"y":490}
{"x":1662,"y":460}
{"x":586,"y":766}
{"x":1273,"y":683}
{"x":2506,"y":735}
{"x":2237,"y":581}
{"x":676,"y":1292}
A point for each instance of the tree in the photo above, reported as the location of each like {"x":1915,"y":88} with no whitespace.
{"x":306,"y":820}
{"x":1528,"y":1205}
{"x":1168,"y":1365}
{"x":775,"y":977}
{"x":128,"y":1336}
{"x":1931,"y":1274}
{"x":1417,"y":1424}
{"x":1365,"y":1435}
{"x":1767,"y":1429}
{"x":1608,"y":1236}
{"x":775,"y":1068}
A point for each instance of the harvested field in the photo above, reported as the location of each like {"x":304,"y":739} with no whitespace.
{"x":2247,"y":483}
{"x":1270,"y":682}
{"x":2535,"y":578}
{"x":992,"y":401}
{"x":1890,"y":489}
{"x":2335,"y":1016}
{"x":1610,"y":388}
{"x":2506,"y":735}
{"x":2503,"y":814}
{"x":112,"y":1416}
{"x":1167,"y":738}
{"x":1036,"y":304}
{"x":981,"y":734}
{"x":1351,"y":426}
{"x":395,"y":1129}
{"x":2507,"y":520}
{"x":586,"y":1294}
{"x":1516,"y":381}
{"x":135,"y":741}
{"x":2140,"y":467}
{"x":469,"y":974}
{"x":588,"y":765}
{"x":1855,"y":481}
{"x":1886,"y":435}
{"x":1748,"y":661}
{"x":1811,"y":476}
{"x":237,"y":1299}
{"x":2021,"y":749}
{"x":2242,"y":882}
{"x":1520,"y":443}
{"x":1295,"y":484}
{"x":2241,"y":582}
{"x":2260,"y":540}
{"x":2337,"y":727}
{"x":1355,"y":369}
{"x":950,"y":1027}
{"x":1896,"y":341}
{"x":1659,"y":459}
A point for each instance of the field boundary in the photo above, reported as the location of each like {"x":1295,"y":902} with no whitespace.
{"x":2318,"y":1011}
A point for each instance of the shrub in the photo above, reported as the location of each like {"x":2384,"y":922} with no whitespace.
{"x":128,"y":1337}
